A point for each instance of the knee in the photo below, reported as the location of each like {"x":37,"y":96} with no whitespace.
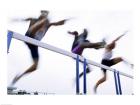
{"x":104,"y":78}
{"x":35,"y":66}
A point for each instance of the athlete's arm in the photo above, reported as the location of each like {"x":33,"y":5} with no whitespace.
{"x":17,"y":19}
{"x":28,"y":19}
{"x":75,"y":33}
{"x":58,"y":23}
{"x":120,"y":36}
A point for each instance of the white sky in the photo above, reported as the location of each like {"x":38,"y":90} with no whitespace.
{"x":59,"y":78}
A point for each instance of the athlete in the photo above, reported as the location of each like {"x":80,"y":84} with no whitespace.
{"x":37,"y":30}
{"x":81,"y":42}
{"x":109,"y":61}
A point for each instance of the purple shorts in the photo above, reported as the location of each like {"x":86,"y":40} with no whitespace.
{"x":78,"y":50}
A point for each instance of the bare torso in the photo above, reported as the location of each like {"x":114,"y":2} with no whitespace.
{"x":40,"y":33}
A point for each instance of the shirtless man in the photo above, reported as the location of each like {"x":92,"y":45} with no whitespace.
{"x":37,"y":30}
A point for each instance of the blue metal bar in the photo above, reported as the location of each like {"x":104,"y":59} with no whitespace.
{"x":9,"y":38}
{"x":116,"y":84}
{"x":84,"y":79}
{"x":119,"y":83}
{"x":77,"y":75}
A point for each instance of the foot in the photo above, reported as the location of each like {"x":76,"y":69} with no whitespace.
{"x":103,"y":43}
{"x":88,"y":70}
{"x":15,"y":80}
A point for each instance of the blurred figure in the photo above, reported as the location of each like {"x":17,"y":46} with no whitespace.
{"x":81,"y":42}
{"x":106,"y":60}
{"x":37,"y":30}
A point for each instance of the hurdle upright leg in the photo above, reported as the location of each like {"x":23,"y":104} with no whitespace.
{"x":119,"y":83}
{"x":84,"y":78}
{"x":77,"y":76}
{"x":9,"y":38}
{"x":116,"y":83}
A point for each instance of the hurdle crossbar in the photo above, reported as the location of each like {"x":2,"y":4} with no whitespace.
{"x":63,"y":52}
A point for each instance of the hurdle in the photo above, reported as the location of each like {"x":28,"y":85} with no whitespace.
{"x":78,"y":58}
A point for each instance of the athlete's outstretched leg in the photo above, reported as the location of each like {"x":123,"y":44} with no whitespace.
{"x":31,"y":69}
{"x":93,"y":45}
{"x":103,"y":79}
{"x":35,"y":56}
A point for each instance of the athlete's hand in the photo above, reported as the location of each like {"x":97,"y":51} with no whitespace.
{"x":69,"y":32}
{"x":62,"y":22}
